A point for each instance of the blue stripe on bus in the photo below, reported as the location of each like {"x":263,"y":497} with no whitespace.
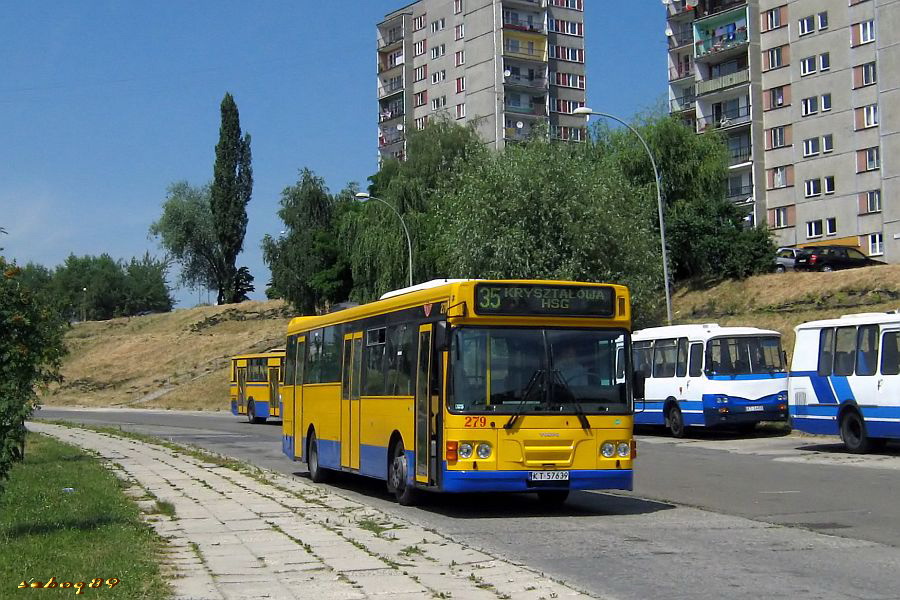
{"x":373,"y":461}
{"x":261,"y":409}
{"x":234,"y":408}
{"x":841,"y":388}
{"x":329,"y":453}
{"x":750,"y":377}
{"x":287,"y":446}
{"x":821,"y":386}
{"x":517,"y":481}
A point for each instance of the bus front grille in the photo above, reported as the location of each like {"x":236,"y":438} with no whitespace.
{"x":543,"y":453}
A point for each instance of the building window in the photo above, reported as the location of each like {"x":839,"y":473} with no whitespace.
{"x":566,"y":27}
{"x":571,"y":4}
{"x":810,"y":147}
{"x":829,"y":184}
{"x":438,"y":103}
{"x":826,"y":102}
{"x":460,"y":84}
{"x":873,"y":161}
{"x":421,"y":98}
{"x":567,"y":53}
{"x":808,"y":65}
{"x":569,"y":134}
{"x":419,"y":48}
{"x":825,"y":61}
{"x":813,"y":187}
{"x":460,"y":31}
{"x":419,"y":23}
{"x":438,"y":51}
{"x":779,"y":177}
{"x":773,"y":18}
{"x":457,"y":6}
{"x":876,"y":244}
{"x":827,"y":143}
{"x":780,"y":217}
{"x":421,"y":122}
{"x":867,"y":32}
{"x":460,"y":58}
{"x":778,"y":137}
{"x":564,"y":106}
{"x":870,"y":115}
{"x":806,"y":25}
{"x":775,"y":58}
{"x":873,"y":201}
{"x":831,"y":226}
{"x":823,"y":20}
{"x":776,"y":96}
{"x":461,"y":111}
{"x":869,"y":74}
{"x":814,"y":229}
{"x":438,"y":25}
{"x":809,"y":106}
{"x":569,"y":80}
{"x":420,"y":73}
{"x":438,"y":76}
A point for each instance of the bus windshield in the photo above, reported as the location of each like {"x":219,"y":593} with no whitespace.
{"x":745,"y":355}
{"x":520,"y":371}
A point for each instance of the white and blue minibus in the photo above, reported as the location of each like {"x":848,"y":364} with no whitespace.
{"x":845,"y":379}
{"x":707,"y":376}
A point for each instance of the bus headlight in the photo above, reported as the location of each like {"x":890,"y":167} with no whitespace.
{"x":624,"y":449}
{"x":483,"y":450}
{"x":608,"y":449}
{"x":721,"y":399}
{"x":465,"y":450}
{"x":782,"y":397}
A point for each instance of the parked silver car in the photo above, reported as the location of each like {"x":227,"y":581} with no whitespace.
{"x":785,"y":259}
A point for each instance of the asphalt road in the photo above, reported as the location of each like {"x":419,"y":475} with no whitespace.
{"x":715,"y":516}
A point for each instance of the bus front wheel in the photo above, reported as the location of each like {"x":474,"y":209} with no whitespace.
{"x":675,"y":421}
{"x":398,"y":483}
{"x":316,"y":473}
{"x":853,"y":432}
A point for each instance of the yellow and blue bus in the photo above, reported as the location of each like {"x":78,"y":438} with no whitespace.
{"x":255,"y":385}
{"x":468,"y":386}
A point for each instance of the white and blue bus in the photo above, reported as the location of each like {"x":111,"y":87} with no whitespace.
{"x":845,"y":379}
{"x":707,"y":376}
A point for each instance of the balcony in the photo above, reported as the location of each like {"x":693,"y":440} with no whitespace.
{"x":526,"y":82}
{"x":687,"y":102}
{"x":390,"y":114}
{"x":676,"y":73}
{"x":678,"y":8}
{"x":524,"y":53}
{"x":681,"y":37}
{"x":721,"y":43}
{"x":533,"y":110}
{"x":532,"y":4}
{"x":514,"y":134}
{"x":394,"y":38}
{"x":711,"y":86}
{"x":385,"y":67}
{"x":384,"y":141}
{"x":739,"y":194}
{"x":390,"y":89}
{"x":522,"y":25}
{"x":714,"y":7}
{"x":740,"y":154}
{"x":729,"y":118}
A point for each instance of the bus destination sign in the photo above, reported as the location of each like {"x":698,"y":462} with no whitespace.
{"x":513,"y":299}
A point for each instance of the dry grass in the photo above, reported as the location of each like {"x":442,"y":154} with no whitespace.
{"x":783,"y":301}
{"x":172,"y":360}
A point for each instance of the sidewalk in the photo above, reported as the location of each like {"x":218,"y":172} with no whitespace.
{"x":272,"y":536}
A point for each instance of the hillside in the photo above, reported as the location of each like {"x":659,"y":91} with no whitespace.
{"x":180,"y":359}
{"x":169,"y":360}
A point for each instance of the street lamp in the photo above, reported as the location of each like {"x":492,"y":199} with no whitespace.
{"x":365,"y":197}
{"x":662,"y":224}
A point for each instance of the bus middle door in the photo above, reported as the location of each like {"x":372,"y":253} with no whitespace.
{"x":274,"y":390}
{"x":242,"y":390}
{"x":350,"y":394}
{"x":423,"y":403}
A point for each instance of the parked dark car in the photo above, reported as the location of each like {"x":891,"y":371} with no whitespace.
{"x":832,"y":258}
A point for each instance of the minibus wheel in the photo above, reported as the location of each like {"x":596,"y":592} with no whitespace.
{"x":853,"y":432}
{"x":676,"y":422}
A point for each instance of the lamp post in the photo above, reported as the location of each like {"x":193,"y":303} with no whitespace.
{"x":83,"y":304}
{"x":365,"y":197}
{"x":659,"y":204}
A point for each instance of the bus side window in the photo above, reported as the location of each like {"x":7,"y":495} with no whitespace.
{"x":664,"y":358}
{"x":682,"y":365}
{"x":890,"y":353}
{"x":867,"y":350}
{"x":826,"y":351}
{"x":696,"y":360}
{"x":845,"y":351}
{"x":642,"y":353}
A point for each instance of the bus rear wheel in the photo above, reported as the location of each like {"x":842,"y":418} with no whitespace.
{"x":675,"y":421}
{"x":316,"y":473}
{"x":251,"y":414}
{"x":552,"y":497}
{"x":398,"y":483}
{"x":853,"y":432}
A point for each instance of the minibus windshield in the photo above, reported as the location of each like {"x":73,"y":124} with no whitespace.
{"x":744,"y":355}
{"x":529,"y":370}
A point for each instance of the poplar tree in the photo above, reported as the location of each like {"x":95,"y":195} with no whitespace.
{"x":230,"y":192}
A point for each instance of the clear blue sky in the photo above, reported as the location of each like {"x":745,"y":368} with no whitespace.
{"x":103,"y":104}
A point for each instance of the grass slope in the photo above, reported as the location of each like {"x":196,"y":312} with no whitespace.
{"x":93,"y":531}
{"x":170,"y":360}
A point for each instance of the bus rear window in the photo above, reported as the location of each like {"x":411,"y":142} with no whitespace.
{"x":744,"y":355}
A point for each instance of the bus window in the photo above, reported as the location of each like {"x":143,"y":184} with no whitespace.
{"x":890,"y":353}
{"x":312,"y":372}
{"x":642,"y":352}
{"x":620,"y":364}
{"x":826,"y":351}
{"x":768,"y":358}
{"x":290,"y":361}
{"x":682,"y":365}
{"x":400,"y":360}
{"x":375,"y":353}
{"x":844,"y":351}
{"x":867,"y":350}
{"x":696,"y":362}
{"x":664,"y":358}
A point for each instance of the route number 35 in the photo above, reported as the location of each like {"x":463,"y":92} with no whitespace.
{"x":488,"y":298}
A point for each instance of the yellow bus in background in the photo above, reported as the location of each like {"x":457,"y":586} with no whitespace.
{"x":468,"y":386}
{"x":255,"y":385}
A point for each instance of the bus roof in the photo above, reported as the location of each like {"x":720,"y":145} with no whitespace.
{"x":432,"y":292}
{"x":697,"y":331}
{"x":855,"y":319}
{"x":278,"y":353}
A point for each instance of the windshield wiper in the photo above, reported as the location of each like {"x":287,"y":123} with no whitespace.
{"x":559,"y":380}
{"x":525,"y":393}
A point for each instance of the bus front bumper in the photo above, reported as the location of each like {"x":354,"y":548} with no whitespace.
{"x":736,"y":417}
{"x":519,"y":481}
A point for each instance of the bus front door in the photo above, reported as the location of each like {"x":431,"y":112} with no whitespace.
{"x":242,"y":390}
{"x":350,"y":393}
{"x":297,"y":399}
{"x":423,"y":404}
{"x":274,"y":390}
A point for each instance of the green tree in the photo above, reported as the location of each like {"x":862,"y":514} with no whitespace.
{"x":145,"y":286}
{"x":230,"y":193}
{"x":309,"y":268}
{"x":31,"y":349}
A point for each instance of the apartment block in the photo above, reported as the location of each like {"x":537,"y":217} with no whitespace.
{"x":507,"y":65}
{"x":822,"y":104}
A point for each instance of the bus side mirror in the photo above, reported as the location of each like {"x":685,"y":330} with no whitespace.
{"x":639,"y":384}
